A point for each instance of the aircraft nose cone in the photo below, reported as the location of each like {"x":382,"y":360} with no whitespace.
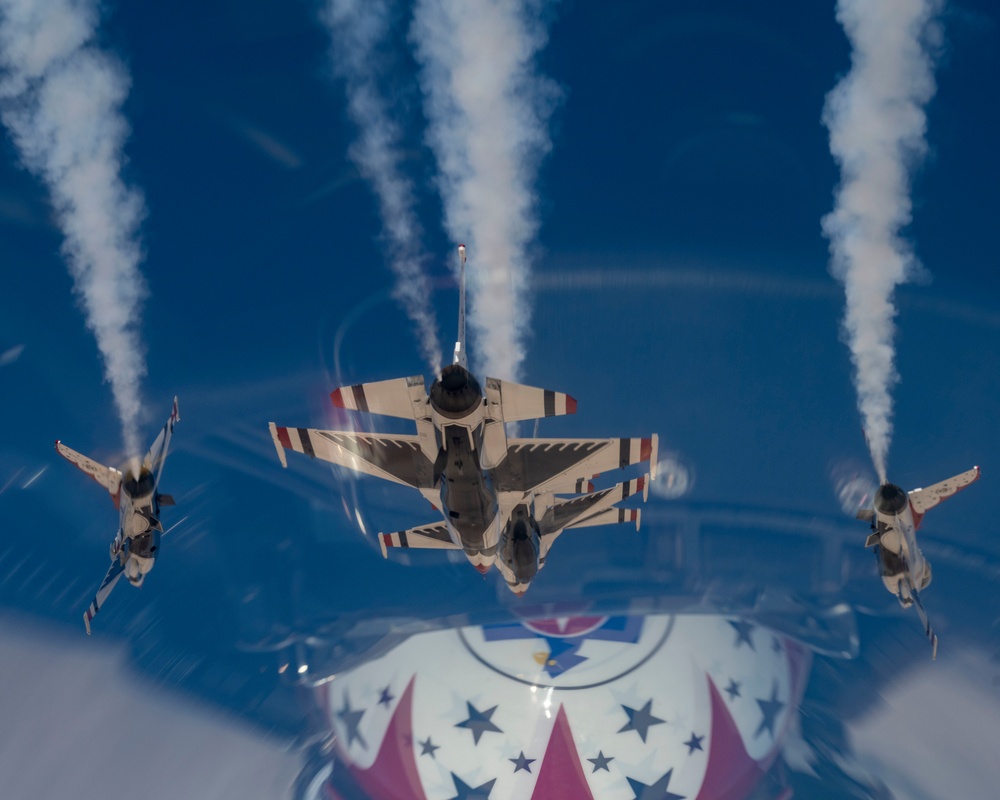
{"x":519,"y":592}
{"x":482,"y":568}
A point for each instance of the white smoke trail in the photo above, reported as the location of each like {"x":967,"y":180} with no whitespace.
{"x":61,"y":101}
{"x":487,"y":109}
{"x":877,"y":123}
{"x":357,"y":27}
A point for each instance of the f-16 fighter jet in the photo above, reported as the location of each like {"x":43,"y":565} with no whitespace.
{"x":496,"y":494}
{"x":895,"y":516}
{"x":135,"y":491}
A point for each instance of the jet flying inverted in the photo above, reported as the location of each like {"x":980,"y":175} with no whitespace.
{"x":135,"y":491}
{"x":497,"y":494}
{"x":895,"y":516}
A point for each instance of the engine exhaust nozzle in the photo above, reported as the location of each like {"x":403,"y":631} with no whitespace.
{"x":890,"y":499}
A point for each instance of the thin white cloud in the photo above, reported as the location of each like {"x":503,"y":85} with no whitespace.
{"x":61,"y":100}
{"x":877,"y":123}
{"x":488,"y":109}
{"x":357,"y":28}
{"x":11,"y":354}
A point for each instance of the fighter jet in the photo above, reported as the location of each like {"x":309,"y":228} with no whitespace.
{"x":895,"y":516}
{"x":135,"y":491}
{"x":497,"y":494}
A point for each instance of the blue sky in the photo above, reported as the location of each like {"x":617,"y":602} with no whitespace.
{"x":680,"y":285}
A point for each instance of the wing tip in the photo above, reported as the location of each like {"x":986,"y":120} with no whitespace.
{"x":570,"y":405}
{"x":381,"y":544}
{"x":276,"y":438}
{"x":337,"y":398}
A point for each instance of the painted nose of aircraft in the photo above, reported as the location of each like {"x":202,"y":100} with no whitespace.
{"x":482,"y":568}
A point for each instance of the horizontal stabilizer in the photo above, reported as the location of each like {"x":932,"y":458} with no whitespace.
{"x":924,"y":499}
{"x":510,"y":402}
{"x":108,"y":477}
{"x":400,"y":397}
{"x":434,"y":536}
{"x":873,"y":539}
{"x":165,"y":499}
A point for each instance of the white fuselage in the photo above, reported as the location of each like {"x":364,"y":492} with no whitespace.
{"x":899,"y":539}
{"x":136,"y":505}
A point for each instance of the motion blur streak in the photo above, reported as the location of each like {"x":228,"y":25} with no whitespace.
{"x":877,"y":123}
{"x":487,"y":110}
{"x":357,"y":27}
{"x":61,"y":101}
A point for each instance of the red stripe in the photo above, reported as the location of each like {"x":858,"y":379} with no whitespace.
{"x":640,"y":483}
{"x":570,"y":405}
{"x":283,"y":438}
{"x":337,"y":398}
{"x":646,"y":449}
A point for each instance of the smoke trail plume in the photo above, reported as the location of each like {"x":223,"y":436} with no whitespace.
{"x":487,"y":109}
{"x":357,"y":27}
{"x":877,"y":123}
{"x":61,"y":99}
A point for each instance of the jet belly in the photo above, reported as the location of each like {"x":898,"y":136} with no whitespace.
{"x":518,"y":555}
{"x":900,"y":557}
{"x":468,"y":499}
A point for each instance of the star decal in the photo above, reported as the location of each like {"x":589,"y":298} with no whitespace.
{"x":478,"y":722}
{"x":742,"y":628}
{"x":733,"y":689}
{"x":466,"y":792}
{"x":386,"y":697}
{"x":694,"y":743}
{"x":640,"y":720}
{"x":654,"y":791}
{"x":352,"y":719}
{"x":522,"y":763}
{"x":428,"y":747}
{"x":770,"y":709}
{"x":601,"y":762}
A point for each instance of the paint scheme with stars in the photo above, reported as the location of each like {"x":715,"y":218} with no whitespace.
{"x":641,"y":724}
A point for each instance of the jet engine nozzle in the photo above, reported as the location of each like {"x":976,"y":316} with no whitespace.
{"x":890,"y":499}
{"x":456,"y":392}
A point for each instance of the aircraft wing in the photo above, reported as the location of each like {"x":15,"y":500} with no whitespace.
{"x":434,"y":536}
{"x":595,"y":508}
{"x":108,"y":477}
{"x":114,"y":573}
{"x":924,"y":499}
{"x":157,"y":455}
{"x":392,"y":458}
{"x":540,"y":465}
{"x":928,"y":631}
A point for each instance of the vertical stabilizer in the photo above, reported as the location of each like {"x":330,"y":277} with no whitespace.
{"x":460,"y":357}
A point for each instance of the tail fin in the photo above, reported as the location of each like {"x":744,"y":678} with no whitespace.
{"x":108,"y":477}
{"x":460,"y":356}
